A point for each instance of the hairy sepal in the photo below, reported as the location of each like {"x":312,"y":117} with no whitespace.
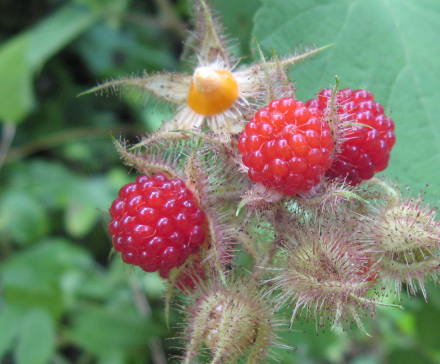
{"x":209,"y":36}
{"x":270,"y":76}
{"x":171,"y":87}
{"x":145,"y":163}
{"x":221,"y":228}
{"x":258,"y":199}
{"x":332,"y":198}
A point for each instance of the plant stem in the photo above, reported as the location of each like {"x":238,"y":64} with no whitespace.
{"x":169,"y":18}
{"x":59,"y":138}
{"x":144,"y":309}
{"x":391,"y":195}
{"x":7,"y":137}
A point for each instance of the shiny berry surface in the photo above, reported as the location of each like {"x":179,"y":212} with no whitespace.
{"x":287,"y":146}
{"x":156,"y":223}
{"x":367,"y":146}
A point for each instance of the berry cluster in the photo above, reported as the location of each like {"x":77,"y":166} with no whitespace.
{"x":156,"y":223}
{"x":370,"y":137}
{"x":287,"y":146}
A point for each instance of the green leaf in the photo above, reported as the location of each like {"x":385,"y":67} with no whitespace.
{"x":36,"y":344}
{"x":22,"y":56}
{"x":113,"y":358}
{"x":103,"y":46}
{"x":16,"y":97}
{"x":52,"y":185}
{"x":22,"y":217}
{"x":108,"y":331}
{"x":90,"y":199}
{"x":49,"y":182}
{"x":406,"y":356}
{"x":237,"y":20}
{"x":366,"y":359}
{"x":427,"y":323}
{"x":387,"y":46}
{"x":95,"y":191}
{"x":312,"y":342}
{"x":80,"y":218}
{"x":9,"y":322}
{"x":42,"y":276}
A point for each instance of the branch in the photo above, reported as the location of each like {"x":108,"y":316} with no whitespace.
{"x":7,"y":137}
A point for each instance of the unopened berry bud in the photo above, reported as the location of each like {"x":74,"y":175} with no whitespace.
{"x":232,"y":322}
{"x":408,"y":236}
{"x":326,"y":273}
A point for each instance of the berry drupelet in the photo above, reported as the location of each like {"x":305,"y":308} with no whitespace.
{"x":156,"y":223}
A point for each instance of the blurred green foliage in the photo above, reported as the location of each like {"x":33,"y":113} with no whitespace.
{"x":63,"y":298}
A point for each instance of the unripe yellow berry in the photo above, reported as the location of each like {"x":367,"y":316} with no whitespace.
{"x":212,"y":91}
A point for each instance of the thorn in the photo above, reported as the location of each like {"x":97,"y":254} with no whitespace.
{"x":240,"y":206}
{"x":337,"y":82}
{"x":294,"y":59}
